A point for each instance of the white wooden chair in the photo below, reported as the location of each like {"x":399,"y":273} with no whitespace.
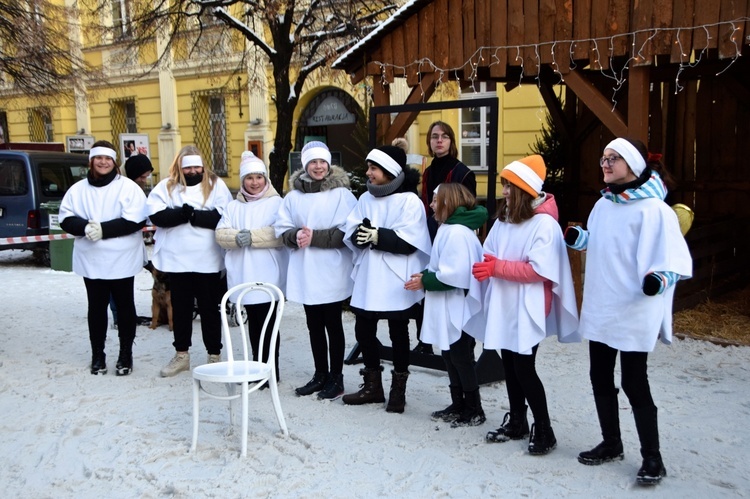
{"x":246,"y":375}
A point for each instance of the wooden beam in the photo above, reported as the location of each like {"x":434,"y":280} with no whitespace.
{"x":381,"y":96}
{"x":596,"y":102}
{"x":402,"y":121}
{"x":554,"y":108}
{"x":638,"y":90}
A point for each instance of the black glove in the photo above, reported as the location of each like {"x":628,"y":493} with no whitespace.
{"x":188,"y":212}
{"x":652,"y":285}
{"x":571,"y":235}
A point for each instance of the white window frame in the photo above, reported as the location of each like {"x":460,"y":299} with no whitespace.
{"x":484,"y":127}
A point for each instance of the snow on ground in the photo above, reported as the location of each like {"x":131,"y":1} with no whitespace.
{"x":66,"y":433}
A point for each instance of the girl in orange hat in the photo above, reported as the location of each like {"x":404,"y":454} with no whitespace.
{"x":528,"y":296}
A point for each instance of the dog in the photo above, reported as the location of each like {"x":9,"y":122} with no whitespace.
{"x":161,"y":299}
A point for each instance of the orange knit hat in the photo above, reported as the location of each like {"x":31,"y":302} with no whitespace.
{"x":527,"y":173}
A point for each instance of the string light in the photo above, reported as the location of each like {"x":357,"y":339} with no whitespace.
{"x":471,"y":65}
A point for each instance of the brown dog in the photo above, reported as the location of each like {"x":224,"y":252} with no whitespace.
{"x":161,"y":299}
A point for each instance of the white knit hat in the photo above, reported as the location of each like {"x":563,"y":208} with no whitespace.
{"x":250,"y":163}
{"x":630,"y":154}
{"x":315,"y":150}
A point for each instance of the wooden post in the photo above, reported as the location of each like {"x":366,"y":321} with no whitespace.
{"x":638,"y":86}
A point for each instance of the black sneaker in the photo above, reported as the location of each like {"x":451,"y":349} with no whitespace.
{"x":99,"y":363}
{"x":142,"y":321}
{"x":333,"y":389}
{"x":423,"y":348}
{"x":124,"y":364}
{"x":316,"y":384}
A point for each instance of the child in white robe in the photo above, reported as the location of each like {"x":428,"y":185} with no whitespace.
{"x":448,"y":306}
{"x":635,"y":255}
{"x":529,"y":296}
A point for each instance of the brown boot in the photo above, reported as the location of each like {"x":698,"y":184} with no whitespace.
{"x":397,"y":397}
{"x":371,"y":391}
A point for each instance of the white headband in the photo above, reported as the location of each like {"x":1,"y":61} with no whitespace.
{"x":383,"y":159}
{"x":315,"y":153}
{"x":191,"y":160}
{"x":525,"y":173}
{"x":630,"y":154}
{"x":103,"y":151}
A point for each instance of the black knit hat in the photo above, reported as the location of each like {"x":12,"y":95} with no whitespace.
{"x":392,"y":159}
{"x":137,"y":165}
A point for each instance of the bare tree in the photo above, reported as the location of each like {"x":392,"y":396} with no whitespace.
{"x":295,"y":38}
{"x":38,"y":52}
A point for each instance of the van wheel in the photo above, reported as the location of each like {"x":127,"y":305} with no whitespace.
{"x":42,"y":256}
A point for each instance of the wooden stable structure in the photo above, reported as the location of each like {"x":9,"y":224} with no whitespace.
{"x":669,"y":72}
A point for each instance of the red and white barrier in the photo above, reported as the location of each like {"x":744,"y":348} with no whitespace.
{"x":51,"y":237}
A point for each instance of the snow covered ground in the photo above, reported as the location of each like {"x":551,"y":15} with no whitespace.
{"x":66,"y":433}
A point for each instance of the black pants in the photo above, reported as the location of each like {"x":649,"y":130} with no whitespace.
{"x":523,"y":384}
{"x":256,"y":316}
{"x":634,"y":381}
{"x":324,"y":318}
{"x":207,"y":289}
{"x":98,"y":292}
{"x":366,"y":330}
{"x":460,"y":363}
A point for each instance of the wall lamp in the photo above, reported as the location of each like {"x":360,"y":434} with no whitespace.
{"x":167,"y":126}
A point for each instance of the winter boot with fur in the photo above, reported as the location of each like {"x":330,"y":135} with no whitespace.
{"x":610,"y":449}
{"x":652,"y":470}
{"x":370,"y":391}
{"x":542,"y":439}
{"x":453,"y":411}
{"x":397,"y":397}
{"x":515,"y":427}
{"x":472,"y":415}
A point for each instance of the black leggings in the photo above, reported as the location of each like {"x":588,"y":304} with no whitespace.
{"x":366,"y":330}
{"x":460,"y":363}
{"x":322,"y":318}
{"x":98,"y":292}
{"x":207,"y":289}
{"x":256,"y":316}
{"x":634,"y":379}
{"x":523,"y":384}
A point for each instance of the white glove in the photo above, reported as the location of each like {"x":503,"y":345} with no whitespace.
{"x":93,"y":231}
{"x":243,"y":238}
{"x":367,"y":235}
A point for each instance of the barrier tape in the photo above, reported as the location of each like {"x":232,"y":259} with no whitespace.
{"x":50,"y":237}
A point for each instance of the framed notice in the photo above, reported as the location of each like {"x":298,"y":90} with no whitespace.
{"x":132,"y":144}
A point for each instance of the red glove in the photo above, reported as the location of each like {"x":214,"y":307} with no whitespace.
{"x":483,"y":270}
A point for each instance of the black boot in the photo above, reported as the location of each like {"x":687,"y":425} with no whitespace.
{"x":98,"y":363}
{"x":472,"y":415}
{"x":453,"y":411}
{"x":334,"y":387}
{"x":542,"y":439}
{"x":423,"y":348}
{"x":652,"y":470}
{"x":515,"y":427}
{"x":610,"y":449}
{"x":316,"y":384}
{"x":371,"y":390}
{"x":124,"y":364}
{"x":397,"y":397}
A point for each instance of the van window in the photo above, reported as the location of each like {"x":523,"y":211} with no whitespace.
{"x":57,"y":178}
{"x":13,"y":181}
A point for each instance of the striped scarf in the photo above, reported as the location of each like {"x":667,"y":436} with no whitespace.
{"x":651,"y":188}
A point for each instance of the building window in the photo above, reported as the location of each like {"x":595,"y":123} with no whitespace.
{"x":120,"y":19}
{"x":210,"y":128}
{"x":474,"y":126}
{"x":122,"y":117}
{"x":4,"y":136}
{"x":40,"y":125}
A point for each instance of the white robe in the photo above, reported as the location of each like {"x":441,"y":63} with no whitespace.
{"x":317,"y":275}
{"x":186,"y":248}
{"x":455,"y":250}
{"x":252,"y":264}
{"x":113,"y":258}
{"x":379,"y":276}
{"x":514,"y":311}
{"x":626,"y":242}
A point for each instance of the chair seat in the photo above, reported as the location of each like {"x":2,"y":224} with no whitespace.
{"x":233,"y":372}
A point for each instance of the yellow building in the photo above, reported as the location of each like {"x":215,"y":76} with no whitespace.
{"x":196,"y":100}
